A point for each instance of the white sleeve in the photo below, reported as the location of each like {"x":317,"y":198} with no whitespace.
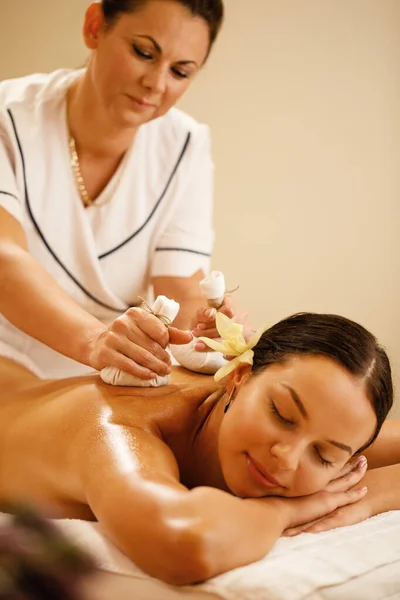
{"x":10,"y":198}
{"x":186,"y":243}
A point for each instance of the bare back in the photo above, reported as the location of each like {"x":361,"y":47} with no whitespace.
{"x":45,"y":426}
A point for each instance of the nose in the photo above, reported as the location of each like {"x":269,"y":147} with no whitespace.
{"x":287,"y":455}
{"x":155,"y":79}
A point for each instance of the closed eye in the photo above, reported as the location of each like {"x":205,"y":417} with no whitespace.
{"x":142,"y":53}
{"x":179,"y":73}
{"x":275,"y":411}
{"x":322,"y":460}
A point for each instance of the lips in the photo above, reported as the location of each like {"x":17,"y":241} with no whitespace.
{"x":260,"y":475}
{"x":142,"y":103}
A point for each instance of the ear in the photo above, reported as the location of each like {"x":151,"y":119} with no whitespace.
{"x":238,"y":377}
{"x":93,"y":25}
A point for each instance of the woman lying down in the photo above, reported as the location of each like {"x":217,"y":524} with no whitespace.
{"x":199,"y":477}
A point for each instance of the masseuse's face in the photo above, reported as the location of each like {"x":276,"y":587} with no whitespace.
{"x":293,"y":427}
{"x":142,"y":65}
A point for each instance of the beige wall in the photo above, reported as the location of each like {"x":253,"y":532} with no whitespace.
{"x":303,"y":100}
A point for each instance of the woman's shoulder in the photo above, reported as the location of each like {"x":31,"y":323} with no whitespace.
{"x":175,"y":407}
{"x":34,"y":89}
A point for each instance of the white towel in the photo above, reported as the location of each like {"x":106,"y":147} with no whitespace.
{"x":361,"y":562}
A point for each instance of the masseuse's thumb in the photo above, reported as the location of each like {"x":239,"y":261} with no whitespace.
{"x":178,"y":336}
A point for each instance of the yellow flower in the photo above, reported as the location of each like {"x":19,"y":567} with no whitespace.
{"x":232,"y":343}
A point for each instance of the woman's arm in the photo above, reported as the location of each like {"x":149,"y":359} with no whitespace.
{"x":130,"y":479}
{"x":385,"y":450}
{"x":383,"y":495}
{"x":33,"y":302}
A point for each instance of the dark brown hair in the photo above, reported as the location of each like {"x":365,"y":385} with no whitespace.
{"x":212,"y":11}
{"x":338,"y":338}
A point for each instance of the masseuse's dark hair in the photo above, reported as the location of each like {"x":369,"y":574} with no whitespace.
{"x":212,"y":11}
{"x":340,"y":339}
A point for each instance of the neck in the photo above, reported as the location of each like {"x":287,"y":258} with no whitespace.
{"x":90,"y":125}
{"x":203,"y":463}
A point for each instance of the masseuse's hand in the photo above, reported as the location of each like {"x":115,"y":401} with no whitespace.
{"x":204,"y":323}
{"x":382,"y":496}
{"x":135,"y":342}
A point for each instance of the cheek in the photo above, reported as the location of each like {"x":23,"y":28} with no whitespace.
{"x":311,"y":479}
{"x":242,"y":430}
{"x":117,"y":69}
{"x":174,"y":91}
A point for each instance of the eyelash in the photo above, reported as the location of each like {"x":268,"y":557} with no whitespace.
{"x":147,"y":56}
{"x":323,"y":461}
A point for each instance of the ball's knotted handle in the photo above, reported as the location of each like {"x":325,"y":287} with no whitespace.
{"x":213,"y":289}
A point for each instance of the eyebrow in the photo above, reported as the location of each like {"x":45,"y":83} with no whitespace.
{"x":296,"y":399}
{"x":159,"y":50}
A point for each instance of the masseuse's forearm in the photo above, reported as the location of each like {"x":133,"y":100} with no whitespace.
{"x":33,"y":302}
{"x":188,"y":309}
{"x":186,"y":291}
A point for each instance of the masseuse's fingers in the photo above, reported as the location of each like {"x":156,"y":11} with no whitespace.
{"x":178,"y":336}
{"x":134,"y":342}
{"x":212,"y":332}
{"x":119,"y":361}
{"x":119,"y":349}
{"x":350,"y":478}
{"x":205,"y":321}
{"x":228,"y":306}
{"x":148,"y":323}
{"x":205,"y":317}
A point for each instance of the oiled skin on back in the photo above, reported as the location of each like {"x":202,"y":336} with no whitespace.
{"x":49,"y":430}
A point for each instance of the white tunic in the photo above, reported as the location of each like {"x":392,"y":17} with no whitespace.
{"x":154,"y":217}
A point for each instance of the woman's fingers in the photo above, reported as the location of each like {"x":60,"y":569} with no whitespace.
{"x":340,"y":517}
{"x":311,"y":508}
{"x":349,"y":479}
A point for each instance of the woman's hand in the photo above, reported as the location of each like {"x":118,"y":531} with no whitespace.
{"x":351,"y":474}
{"x":344,"y":490}
{"x":204,"y":323}
{"x":135,"y":342}
{"x":309,"y":509}
{"x":383,"y":495}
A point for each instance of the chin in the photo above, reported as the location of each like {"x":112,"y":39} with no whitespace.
{"x":131,"y":119}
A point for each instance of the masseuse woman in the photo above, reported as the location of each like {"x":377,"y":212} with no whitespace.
{"x":105,"y":192}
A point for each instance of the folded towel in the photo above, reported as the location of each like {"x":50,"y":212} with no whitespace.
{"x":361,"y":562}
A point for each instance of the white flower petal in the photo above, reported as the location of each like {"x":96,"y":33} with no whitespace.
{"x":226,"y":369}
{"x":246,"y":357}
{"x":227,"y":328}
{"x":216,"y":345}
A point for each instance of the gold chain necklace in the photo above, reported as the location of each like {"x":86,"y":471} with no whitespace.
{"x":87,"y":201}
{"x":78,"y":175}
